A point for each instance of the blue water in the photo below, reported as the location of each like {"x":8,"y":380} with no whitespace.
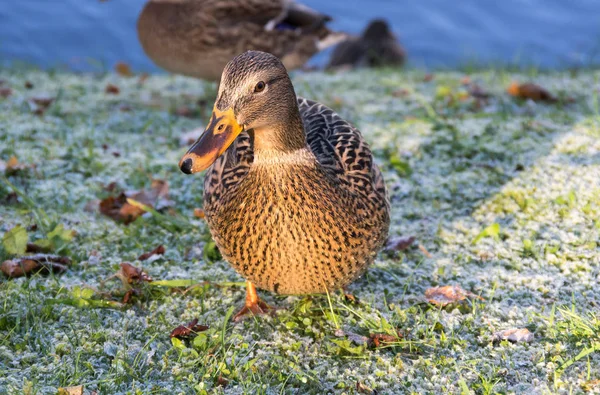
{"x":89,"y":34}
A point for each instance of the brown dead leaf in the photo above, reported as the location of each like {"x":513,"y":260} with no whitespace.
{"x":131,"y":274}
{"x":185,"y":111}
{"x":222,"y":381}
{"x":112,"y":89}
{"x":123,"y":69}
{"x":477,"y":92}
{"x":75,"y":390}
{"x":424,"y":251}
{"x":513,"y":335}
{"x":399,"y":243}
{"x":351,"y":298}
{"x":188,"y":330}
{"x":42,"y":101}
{"x":363,"y":389}
{"x":36,"y":249}
{"x":530,"y":91}
{"x":5,"y":92}
{"x":199,"y":213}
{"x":588,"y":386}
{"x":448,"y":294}
{"x":12,"y":166}
{"x":428,"y":77}
{"x":400,"y":92}
{"x":41,"y":263}
{"x":466,"y":80}
{"x":28,"y":85}
{"x":381,"y":339}
{"x":160,"y":250}
{"x":119,"y":209}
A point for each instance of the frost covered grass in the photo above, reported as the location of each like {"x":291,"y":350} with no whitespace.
{"x":502,"y":196}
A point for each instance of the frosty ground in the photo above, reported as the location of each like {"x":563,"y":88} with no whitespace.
{"x":501,"y":195}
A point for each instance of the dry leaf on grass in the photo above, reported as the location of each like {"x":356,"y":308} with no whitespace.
{"x":382,"y":339}
{"x":5,"y":92}
{"x":399,"y":243}
{"x":12,"y":166}
{"x":160,"y":250}
{"x":530,"y":91}
{"x":40,"y":104}
{"x":477,"y":92}
{"x":448,"y":294}
{"x":143,"y":77}
{"x":428,"y":77}
{"x":513,"y":335}
{"x":130,"y":274}
{"x":222,"y":381}
{"x":41,"y":263}
{"x":75,"y":390}
{"x":112,"y":89}
{"x":188,"y":330}
{"x":363,"y":389}
{"x":123,"y":69}
{"x":119,"y":209}
{"x":28,"y":85}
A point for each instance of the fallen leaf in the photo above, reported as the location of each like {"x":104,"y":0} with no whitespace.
{"x":112,"y":89}
{"x":400,"y":92}
{"x":466,"y":80}
{"x":5,"y":92}
{"x":12,"y":166}
{"x":363,"y":389}
{"x":160,"y":250}
{"x":448,"y":294}
{"x":184,"y":111}
{"x":36,"y":249}
{"x":188,"y":330}
{"x":530,"y":91}
{"x":424,"y":251}
{"x":222,"y":381}
{"x":477,"y":92}
{"x":117,"y":208}
{"x":130,"y":274}
{"x":381,"y":339}
{"x":351,"y":298}
{"x":35,"y":263}
{"x":28,"y":85}
{"x":42,"y":101}
{"x":588,"y":386}
{"x":513,"y":335}
{"x":399,"y":243}
{"x":123,"y":69}
{"x":76,"y":390}
{"x":428,"y":77}
{"x":199,"y":213}
{"x":14,"y":241}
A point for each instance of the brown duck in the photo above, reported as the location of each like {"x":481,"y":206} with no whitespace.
{"x":292,"y":197}
{"x":376,"y":47}
{"x":198,"y":37}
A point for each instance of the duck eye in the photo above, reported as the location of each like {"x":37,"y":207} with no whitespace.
{"x":260,"y":87}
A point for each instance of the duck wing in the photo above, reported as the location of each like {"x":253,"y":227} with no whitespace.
{"x":341,"y":149}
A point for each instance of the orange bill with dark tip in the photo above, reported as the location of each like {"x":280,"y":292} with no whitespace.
{"x":221,"y":131}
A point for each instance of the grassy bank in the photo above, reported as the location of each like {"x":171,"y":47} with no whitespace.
{"x":501,"y":195}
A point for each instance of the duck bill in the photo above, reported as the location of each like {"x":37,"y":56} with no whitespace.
{"x":221,"y":131}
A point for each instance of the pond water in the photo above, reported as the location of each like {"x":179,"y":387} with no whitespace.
{"x":90,"y":34}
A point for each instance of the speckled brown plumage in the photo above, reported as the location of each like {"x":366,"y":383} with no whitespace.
{"x":198,"y":37}
{"x":294,"y":221}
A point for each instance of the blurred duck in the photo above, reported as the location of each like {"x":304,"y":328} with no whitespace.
{"x":198,"y":37}
{"x":377,"y":47}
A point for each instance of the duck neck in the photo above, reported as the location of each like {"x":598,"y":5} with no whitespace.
{"x":284,"y":137}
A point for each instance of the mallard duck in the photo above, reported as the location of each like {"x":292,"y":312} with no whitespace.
{"x":198,"y":37}
{"x":292,"y":196}
{"x":376,"y":47}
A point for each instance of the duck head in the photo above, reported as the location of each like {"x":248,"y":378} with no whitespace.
{"x":255,"y":95}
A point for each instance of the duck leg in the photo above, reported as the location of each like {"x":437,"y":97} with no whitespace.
{"x":253,"y":306}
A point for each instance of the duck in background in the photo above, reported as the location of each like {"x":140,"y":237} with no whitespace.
{"x":198,"y":37}
{"x":376,"y":47}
